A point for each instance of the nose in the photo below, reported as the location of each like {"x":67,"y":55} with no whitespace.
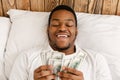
{"x":62,"y":27}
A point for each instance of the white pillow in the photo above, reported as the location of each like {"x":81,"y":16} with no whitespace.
{"x":102,"y":34}
{"x":28,"y":30}
{"x":96,"y":32}
{"x":4,"y":30}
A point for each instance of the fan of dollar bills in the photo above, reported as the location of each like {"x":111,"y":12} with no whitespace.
{"x":56,"y":59}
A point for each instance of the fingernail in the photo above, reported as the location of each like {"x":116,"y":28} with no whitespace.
{"x":63,"y":68}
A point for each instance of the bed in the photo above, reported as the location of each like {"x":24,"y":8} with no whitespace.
{"x":98,"y":24}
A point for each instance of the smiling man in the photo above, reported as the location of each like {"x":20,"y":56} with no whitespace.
{"x":62,"y":31}
{"x":62,"y":60}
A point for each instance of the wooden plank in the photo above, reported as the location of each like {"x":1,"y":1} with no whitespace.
{"x":106,"y":7}
{"x":81,"y":5}
{"x":8,"y":4}
{"x":50,"y":4}
{"x":95,"y":6}
{"x":23,"y":4}
{"x":91,"y":7}
{"x":1,"y":8}
{"x":67,"y":2}
{"x":109,"y":7}
{"x":114,"y":6}
{"x":98,"y":8}
{"x":37,"y":5}
{"x":118,"y":8}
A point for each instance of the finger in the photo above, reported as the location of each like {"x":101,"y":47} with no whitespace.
{"x":43,"y":73}
{"x":50,"y":77}
{"x":70,"y":76}
{"x":44,"y":67}
{"x":72,"y":71}
{"x":64,"y":75}
{"x":65,"y":78}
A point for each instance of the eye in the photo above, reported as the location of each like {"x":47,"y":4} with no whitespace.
{"x":69,"y":24}
{"x":55,"y":25}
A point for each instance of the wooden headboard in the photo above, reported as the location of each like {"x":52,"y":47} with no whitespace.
{"x":111,"y":7}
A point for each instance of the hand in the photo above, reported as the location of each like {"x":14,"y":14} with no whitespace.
{"x":44,"y":73}
{"x":70,"y":74}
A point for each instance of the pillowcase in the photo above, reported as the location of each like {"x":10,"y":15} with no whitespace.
{"x":97,"y":32}
{"x":4,"y":31}
{"x":28,"y":30}
{"x":101,"y":33}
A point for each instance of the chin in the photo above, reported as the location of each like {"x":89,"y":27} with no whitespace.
{"x":59,"y":48}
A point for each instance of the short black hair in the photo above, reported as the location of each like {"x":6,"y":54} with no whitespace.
{"x":63,"y":7}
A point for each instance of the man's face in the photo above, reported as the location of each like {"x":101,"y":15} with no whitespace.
{"x":62,"y":30}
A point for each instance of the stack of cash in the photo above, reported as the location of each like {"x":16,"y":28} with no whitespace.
{"x":56,"y":59}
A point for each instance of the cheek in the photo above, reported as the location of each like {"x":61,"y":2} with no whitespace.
{"x":51,"y":33}
{"x":74,"y":34}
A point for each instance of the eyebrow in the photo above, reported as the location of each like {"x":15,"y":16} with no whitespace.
{"x":65,"y":20}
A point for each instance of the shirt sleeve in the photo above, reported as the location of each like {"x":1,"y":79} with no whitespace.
{"x":102,"y":71}
{"x":19,"y":70}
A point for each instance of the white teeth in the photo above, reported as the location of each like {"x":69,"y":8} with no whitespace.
{"x":61,"y":35}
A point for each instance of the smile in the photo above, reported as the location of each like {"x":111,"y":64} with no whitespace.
{"x":65,"y":36}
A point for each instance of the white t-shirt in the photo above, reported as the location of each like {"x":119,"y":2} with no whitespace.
{"x":2,"y":75}
{"x":93,"y":65}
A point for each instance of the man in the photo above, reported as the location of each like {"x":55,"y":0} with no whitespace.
{"x":64,"y":59}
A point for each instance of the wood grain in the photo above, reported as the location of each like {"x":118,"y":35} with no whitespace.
{"x":1,"y":8}
{"x":23,"y":4}
{"x":81,"y":5}
{"x":50,"y":4}
{"x":98,"y":6}
{"x":67,"y":2}
{"x":118,"y":8}
{"x":91,"y":6}
{"x":111,"y":7}
{"x":37,"y":5}
{"x":8,"y":4}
